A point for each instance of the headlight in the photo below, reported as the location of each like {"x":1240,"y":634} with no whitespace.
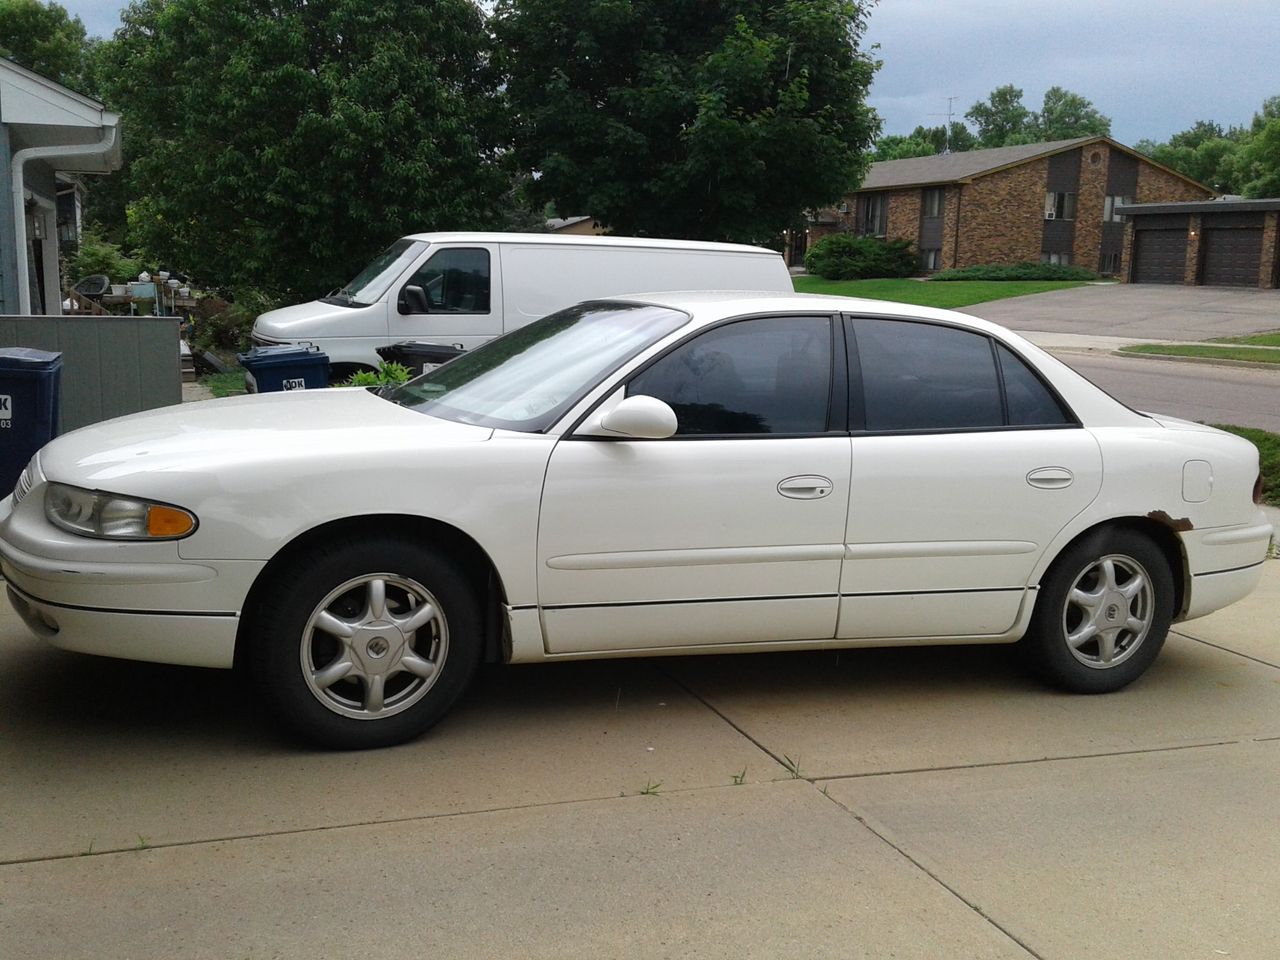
{"x":108,"y":516}
{"x":26,"y":480}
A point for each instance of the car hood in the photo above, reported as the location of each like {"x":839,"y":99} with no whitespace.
{"x":141,"y":453}
{"x":303,"y":321}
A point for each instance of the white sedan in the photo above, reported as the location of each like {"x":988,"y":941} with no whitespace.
{"x":675,"y":473}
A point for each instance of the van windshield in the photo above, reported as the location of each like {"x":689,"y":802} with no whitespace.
{"x":372,"y":282}
{"x":530,"y":378}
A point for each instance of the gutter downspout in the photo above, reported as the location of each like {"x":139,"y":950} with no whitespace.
{"x":20,"y":158}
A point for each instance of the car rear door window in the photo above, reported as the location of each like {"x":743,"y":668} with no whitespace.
{"x":1030,"y":402}
{"x":764,"y":376}
{"x":921,"y":376}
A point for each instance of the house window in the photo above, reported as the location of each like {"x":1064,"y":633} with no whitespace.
{"x":932,"y":202}
{"x":931,"y":259}
{"x":1059,"y":259}
{"x":1109,"y":205}
{"x":875,"y":215}
{"x":1059,"y":206}
{"x":1110,"y":263}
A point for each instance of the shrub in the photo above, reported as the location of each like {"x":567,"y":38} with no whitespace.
{"x":388,"y":373}
{"x":1016,"y":271}
{"x":222,"y":325}
{"x":842,"y":256}
{"x":94,"y":255}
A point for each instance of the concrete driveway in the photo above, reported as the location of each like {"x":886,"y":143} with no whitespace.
{"x":1140,"y":311}
{"x":922,"y":803}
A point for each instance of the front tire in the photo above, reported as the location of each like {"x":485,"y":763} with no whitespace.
{"x":1103,"y":613}
{"x":364,"y":644}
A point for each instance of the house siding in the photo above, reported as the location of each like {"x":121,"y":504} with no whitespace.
{"x":904,"y":216}
{"x":1091,"y":194}
{"x":1157,"y":186}
{"x":1002,"y":216}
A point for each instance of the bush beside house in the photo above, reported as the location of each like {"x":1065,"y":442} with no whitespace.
{"x":843,"y":256}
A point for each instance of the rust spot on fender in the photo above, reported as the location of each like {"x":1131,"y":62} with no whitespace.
{"x":1180,"y":524}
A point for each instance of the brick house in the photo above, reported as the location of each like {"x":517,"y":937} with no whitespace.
{"x":1053,"y":202}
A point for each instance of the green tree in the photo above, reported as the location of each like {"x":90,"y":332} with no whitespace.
{"x":898,"y":147}
{"x":713,"y":119}
{"x":961,"y":139}
{"x":1065,"y":115}
{"x":278,"y":146}
{"x":43,"y":38}
{"x":1260,"y":160}
{"x":1001,"y":119}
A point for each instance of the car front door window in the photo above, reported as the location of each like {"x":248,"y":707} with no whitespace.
{"x":766,"y":376}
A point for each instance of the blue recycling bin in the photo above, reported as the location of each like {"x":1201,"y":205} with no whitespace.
{"x":285,"y":367}
{"x":30,"y":398}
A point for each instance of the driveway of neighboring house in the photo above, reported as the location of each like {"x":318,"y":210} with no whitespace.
{"x":1140,"y":311}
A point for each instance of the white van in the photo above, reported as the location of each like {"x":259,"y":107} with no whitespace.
{"x":462,"y":289}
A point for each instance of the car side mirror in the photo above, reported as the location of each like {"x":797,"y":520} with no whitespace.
{"x":413,"y":299}
{"x":641,"y":417}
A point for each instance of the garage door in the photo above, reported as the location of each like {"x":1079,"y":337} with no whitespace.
{"x":1231,"y":257}
{"x":1159,"y":256}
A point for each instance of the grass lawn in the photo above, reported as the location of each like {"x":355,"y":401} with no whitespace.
{"x":1271,"y":339}
{"x":1208,"y":351}
{"x":1268,"y":445}
{"x":227,"y":384}
{"x":953,"y":293}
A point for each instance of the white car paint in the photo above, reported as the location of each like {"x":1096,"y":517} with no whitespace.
{"x":607,"y":547}
{"x":531,"y":275}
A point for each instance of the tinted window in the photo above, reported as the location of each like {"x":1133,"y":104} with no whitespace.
{"x":456,"y":281}
{"x":1030,"y":402}
{"x":756,"y":376}
{"x":917,"y":376}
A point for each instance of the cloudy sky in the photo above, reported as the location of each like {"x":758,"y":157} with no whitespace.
{"x":1153,"y":66}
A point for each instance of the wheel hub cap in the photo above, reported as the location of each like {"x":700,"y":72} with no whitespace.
{"x":1108,"y":611}
{"x":381,"y":660}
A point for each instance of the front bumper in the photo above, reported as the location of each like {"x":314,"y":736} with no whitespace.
{"x":135,"y":601}
{"x":191,"y":640}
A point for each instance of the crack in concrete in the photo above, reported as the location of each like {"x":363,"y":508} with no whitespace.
{"x":935,"y":878}
{"x":1016,"y":763}
{"x":1218,"y":646}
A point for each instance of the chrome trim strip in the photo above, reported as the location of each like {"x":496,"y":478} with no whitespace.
{"x":695,"y":557}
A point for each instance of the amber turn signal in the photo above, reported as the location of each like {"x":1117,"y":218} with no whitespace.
{"x":168,"y":521}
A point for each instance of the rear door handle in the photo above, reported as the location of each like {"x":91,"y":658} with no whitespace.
{"x":805,"y":488}
{"x":1050,"y":478}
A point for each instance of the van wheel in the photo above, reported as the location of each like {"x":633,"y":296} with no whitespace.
{"x":1103,"y":613}
{"x":365,"y":644}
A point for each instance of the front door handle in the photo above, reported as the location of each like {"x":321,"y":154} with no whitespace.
{"x":805,"y":488}
{"x":1050,"y":478}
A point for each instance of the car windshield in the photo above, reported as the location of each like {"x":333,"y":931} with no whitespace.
{"x":372,"y":282}
{"x":529,"y":378}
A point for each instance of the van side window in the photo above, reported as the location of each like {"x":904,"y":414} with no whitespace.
{"x":455,"y":281}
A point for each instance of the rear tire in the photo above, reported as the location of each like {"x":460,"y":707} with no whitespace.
{"x":1103,"y":613}
{"x":364,"y":644}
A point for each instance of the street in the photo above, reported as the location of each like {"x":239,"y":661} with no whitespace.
{"x":1242,"y":396}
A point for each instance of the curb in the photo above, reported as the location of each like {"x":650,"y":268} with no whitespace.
{"x":1204,"y":361}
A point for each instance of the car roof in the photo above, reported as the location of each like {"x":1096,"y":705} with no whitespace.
{"x":710,"y":306}
{"x":579,"y":240}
